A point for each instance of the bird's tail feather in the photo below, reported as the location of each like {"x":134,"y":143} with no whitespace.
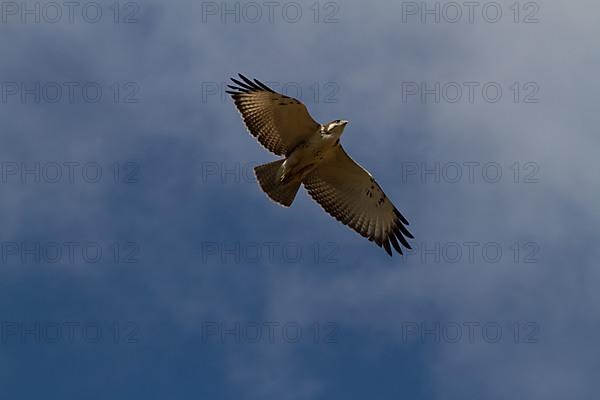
{"x":282,"y":193}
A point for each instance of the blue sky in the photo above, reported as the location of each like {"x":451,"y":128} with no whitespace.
{"x":141,"y":260}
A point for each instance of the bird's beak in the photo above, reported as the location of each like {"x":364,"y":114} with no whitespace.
{"x":344,"y":122}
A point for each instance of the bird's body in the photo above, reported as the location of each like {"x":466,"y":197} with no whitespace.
{"x":310,"y":153}
{"x":314,"y":157}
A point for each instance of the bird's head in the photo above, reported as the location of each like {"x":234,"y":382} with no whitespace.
{"x":335,"y":127}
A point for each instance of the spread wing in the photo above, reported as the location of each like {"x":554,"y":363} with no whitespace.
{"x":350,"y":194}
{"x":279,"y":122}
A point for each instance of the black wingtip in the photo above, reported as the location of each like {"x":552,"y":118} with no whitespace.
{"x":400,"y":227}
{"x":246,"y":85}
{"x":248,"y":81}
{"x":242,"y":86}
{"x":395,"y":243}
{"x":386,"y":246}
{"x":398,"y":233}
{"x":401,"y":217}
{"x":263,"y":86}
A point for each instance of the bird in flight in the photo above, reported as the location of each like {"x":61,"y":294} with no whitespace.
{"x":314,"y":157}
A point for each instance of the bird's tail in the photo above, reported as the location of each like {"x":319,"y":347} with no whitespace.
{"x":282,"y":193}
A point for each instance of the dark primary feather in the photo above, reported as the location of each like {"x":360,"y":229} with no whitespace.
{"x":248,"y":86}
